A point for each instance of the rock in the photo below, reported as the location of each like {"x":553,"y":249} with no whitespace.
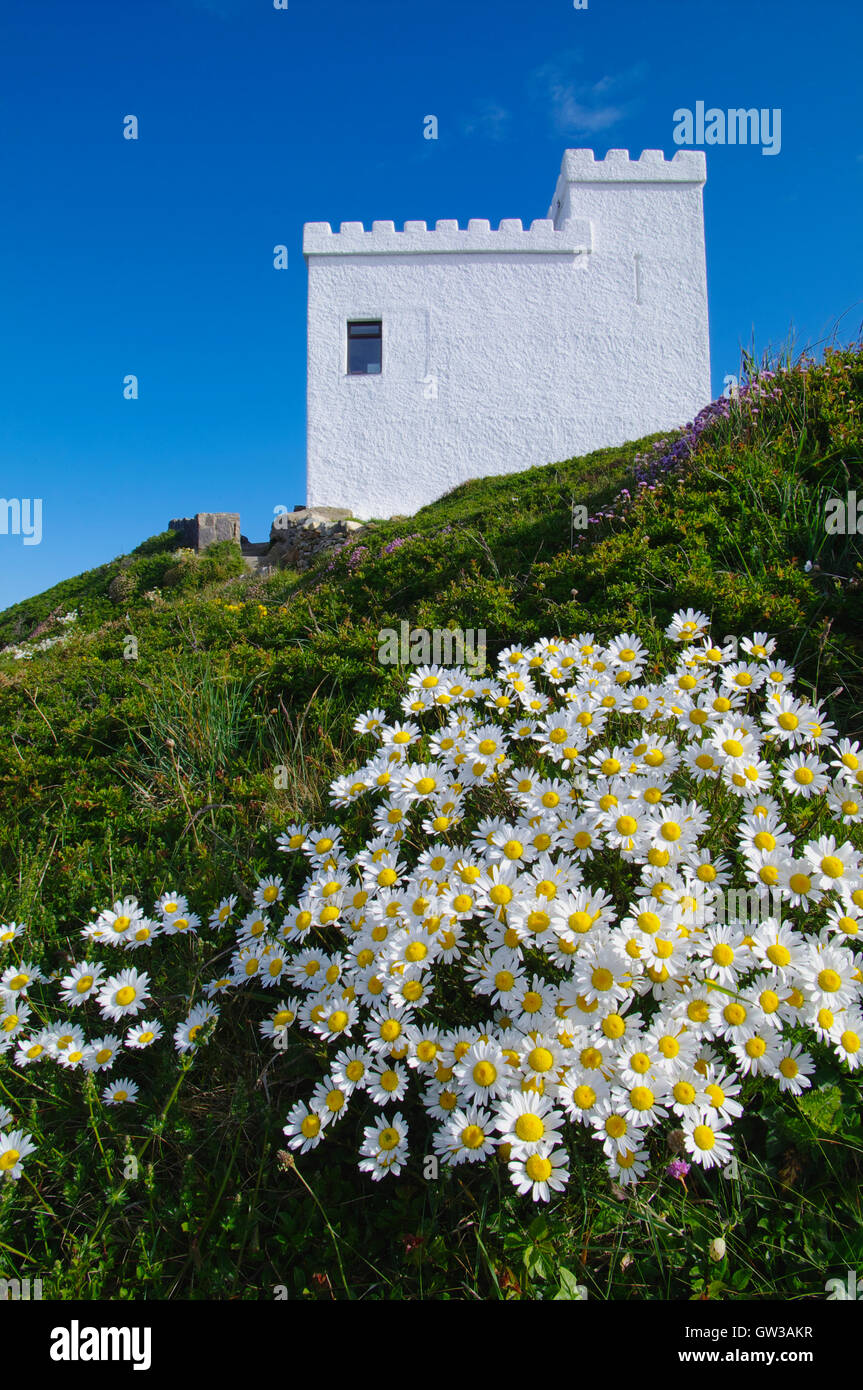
{"x":298,"y":537}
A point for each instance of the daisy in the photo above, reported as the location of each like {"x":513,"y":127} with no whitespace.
{"x":531,"y":1002}
{"x":219,"y":986}
{"x":794,"y":1069}
{"x":846,"y":920}
{"x":221,"y":914}
{"x":350,"y":1068}
{"x":845,"y":803}
{"x":166,"y":907}
{"x":440,"y":1099}
{"x":642,"y":1104}
{"x":268,"y":892}
{"x":848,"y":757}
{"x":759,"y":646}
{"x":786,"y":719}
{"x":704,"y":1139}
{"x":370,"y":723}
{"x":10,"y":931}
{"x":687,"y":625}
{"x":385,"y":1028}
{"x":612,"y":1127}
{"x":123,"y":994}
{"x":425,"y":1047}
{"x":797,"y":884}
{"x":122,"y":1092}
{"x":330,"y":1098}
{"x":803,"y":775}
{"x":304,"y":1128}
{"x":723,"y":953}
{"x":386,"y":1081}
{"x":628,"y":1167}
{"x":683,"y":1094}
{"x":17,"y":979}
{"x":539,"y":1174}
{"x":578,"y":1096}
{"x":323,"y":843}
{"x":481,"y":1074}
{"x":338,"y":1022}
{"x":67,"y":1038}
{"x":100,"y":1054}
{"x":466,"y":1137}
{"x":384,"y":1148}
{"x":15,"y":1146}
{"x":848,"y":1039}
{"x":831,"y":975}
{"x":778,"y":947}
{"x":528,"y":1122}
{"x":834,"y":866}
{"x":189,"y":1033}
{"x":295,"y":837}
{"x":37,"y":1048}
{"x":602,"y":972}
{"x":179,"y":923}
{"x":144,"y":1033}
{"x":720,"y":1091}
{"x":84,"y":980}
{"x":746,"y":676}
{"x":757,"y":1054}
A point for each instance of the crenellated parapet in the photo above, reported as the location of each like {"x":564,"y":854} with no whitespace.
{"x":447,"y":237}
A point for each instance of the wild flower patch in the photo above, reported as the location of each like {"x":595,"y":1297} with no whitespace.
{"x":512,"y":935}
{"x":27,"y":650}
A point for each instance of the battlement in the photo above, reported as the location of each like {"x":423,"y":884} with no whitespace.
{"x":581,"y":173}
{"x":686,"y":166}
{"x":446,"y":237}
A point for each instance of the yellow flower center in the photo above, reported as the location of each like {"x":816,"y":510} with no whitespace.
{"x":641,"y":1098}
{"x":529,"y":1128}
{"x":538,"y":1169}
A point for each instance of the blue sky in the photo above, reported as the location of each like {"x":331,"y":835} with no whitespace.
{"x":155,"y":256}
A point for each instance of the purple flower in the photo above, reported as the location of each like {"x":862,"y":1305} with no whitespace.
{"x":677,"y":1168}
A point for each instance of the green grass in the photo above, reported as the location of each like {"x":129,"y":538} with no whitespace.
{"x":176,"y":768}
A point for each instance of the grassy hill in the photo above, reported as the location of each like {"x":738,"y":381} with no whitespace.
{"x":143,"y":750}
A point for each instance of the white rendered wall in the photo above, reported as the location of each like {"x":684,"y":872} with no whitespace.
{"x":542,"y":343}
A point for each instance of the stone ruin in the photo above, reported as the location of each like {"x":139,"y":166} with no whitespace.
{"x":296,"y":538}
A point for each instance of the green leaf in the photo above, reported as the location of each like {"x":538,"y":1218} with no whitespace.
{"x":821,"y":1107}
{"x":570,"y":1289}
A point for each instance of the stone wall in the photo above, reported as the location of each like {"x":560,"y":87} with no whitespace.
{"x":204,"y":528}
{"x":299,"y":537}
{"x":296,"y":538}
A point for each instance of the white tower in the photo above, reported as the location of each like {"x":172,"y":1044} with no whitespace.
{"x":436,"y":356}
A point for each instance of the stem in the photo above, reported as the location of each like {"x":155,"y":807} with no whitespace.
{"x":333,"y":1235}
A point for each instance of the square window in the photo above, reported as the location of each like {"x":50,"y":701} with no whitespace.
{"x":365,"y":339}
